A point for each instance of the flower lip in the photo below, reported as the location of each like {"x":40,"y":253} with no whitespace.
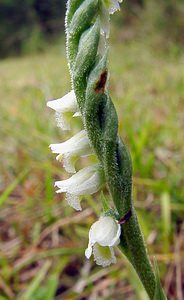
{"x":103,"y":256}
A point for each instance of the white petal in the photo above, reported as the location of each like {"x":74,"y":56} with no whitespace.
{"x":62,"y":189}
{"x":107,"y":7}
{"x":78,"y":144}
{"x":73,"y":201}
{"x":114,"y":6}
{"x":106,"y":232}
{"x":103,"y":256}
{"x":71,"y":149}
{"x":64,"y":104}
{"x":68,"y":103}
{"x":86,"y":181}
{"x":89,"y":186}
{"x":57,"y":148}
{"x":103,"y":234}
{"x":116,"y":240}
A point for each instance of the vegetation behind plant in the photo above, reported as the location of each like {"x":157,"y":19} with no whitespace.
{"x":27,"y":26}
{"x":42,"y":240}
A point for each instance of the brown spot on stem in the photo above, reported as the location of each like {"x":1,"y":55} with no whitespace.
{"x":126,"y":217}
{"x":100,"y":85}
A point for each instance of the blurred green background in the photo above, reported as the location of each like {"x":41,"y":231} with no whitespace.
{"x":42,"y":240}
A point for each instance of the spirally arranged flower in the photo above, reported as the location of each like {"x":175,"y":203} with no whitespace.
{"x":87,"y":29}
{"x":86,"y":181}
{"x":103,"y":235}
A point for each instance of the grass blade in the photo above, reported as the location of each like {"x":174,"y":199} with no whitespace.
{"x":159,"y":293}
{"x":28,"y":295}
{"x":12,"y":186}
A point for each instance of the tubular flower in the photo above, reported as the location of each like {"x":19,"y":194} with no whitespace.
{"x":103,"y":235}
{"x":86,"y":181}
{"x":63,"y":105}
{"x":78,"y":145}
{"x":108,"y":7}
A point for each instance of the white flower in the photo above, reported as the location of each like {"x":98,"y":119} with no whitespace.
{"x":86,"y":181}
{"x":62,"y":106}
{"x":103,"y":235}
{"x":69,"y":151}
{"x":108,"y":7}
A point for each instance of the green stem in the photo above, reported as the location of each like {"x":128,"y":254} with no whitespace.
{"x":89,"y":76}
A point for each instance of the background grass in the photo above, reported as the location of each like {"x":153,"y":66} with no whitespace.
{"x":42,"y":240}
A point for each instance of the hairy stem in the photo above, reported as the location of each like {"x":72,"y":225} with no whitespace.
{"x":89,"y":75}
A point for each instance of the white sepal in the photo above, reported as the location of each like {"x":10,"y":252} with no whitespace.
{"x":69,"y":151}
{"x":105,"y":21}
{"x":86,"y":181}
{"x":107,"y":7}
{"x":63,"y":105}
{"x":114,"y":6}
{"x":105,"y":233}
{"x":102,"y":45}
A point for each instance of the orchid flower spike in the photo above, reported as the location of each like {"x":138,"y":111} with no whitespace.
{"x":107,"y":8}
{"x":66,"y":104}
{"x":70,"y":150}
{"x":86,"y":181}
{"x":103,"y":235}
